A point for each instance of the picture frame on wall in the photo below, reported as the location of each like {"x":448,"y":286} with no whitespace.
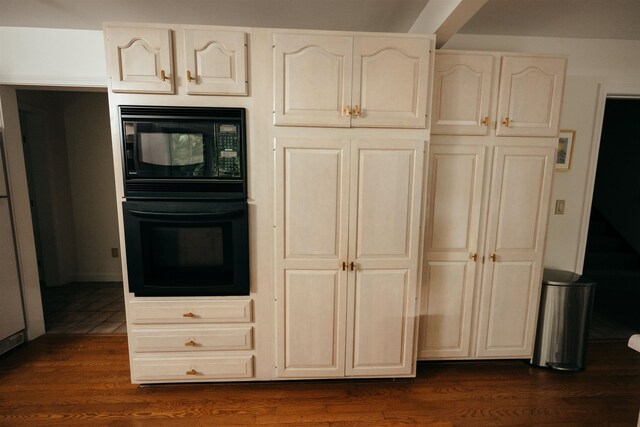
{"x":566,"y":141}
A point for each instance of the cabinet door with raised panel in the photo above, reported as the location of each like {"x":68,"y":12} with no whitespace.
{"x":312,"y":83}
{"x":518,"y":208}
{"x":461,"y":93}
{"x":312,"y":192}
{"x":450,"y":250}
{"x":386,"y":184}
{"x":140,"y":59}
{"x":216,"y":62}
{"x":390,"y":82}
{"x":530,"y":96}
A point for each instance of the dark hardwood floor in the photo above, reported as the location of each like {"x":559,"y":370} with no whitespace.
{"x":84,"y":380}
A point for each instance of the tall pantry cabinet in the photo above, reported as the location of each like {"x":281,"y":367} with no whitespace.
{"x":490,"y":169}
{"x":348,"y":201}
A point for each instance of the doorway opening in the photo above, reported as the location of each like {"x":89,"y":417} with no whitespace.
{"x":69,"y":165}
{"x":612,"y":256}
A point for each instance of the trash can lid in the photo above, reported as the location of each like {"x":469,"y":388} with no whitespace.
{"x":563,"y":278}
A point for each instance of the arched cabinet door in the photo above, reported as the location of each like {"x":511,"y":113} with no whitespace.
{"x":530,"y":96}
{"x":140,"y":59}
{"x":312,"y":83}
{"x":216,"y":62}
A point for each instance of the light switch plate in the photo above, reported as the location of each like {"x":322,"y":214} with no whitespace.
{"x":559,"y":207}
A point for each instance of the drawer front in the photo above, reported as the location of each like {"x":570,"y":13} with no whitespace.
{"x":187,"y":312}
{"x":183,"y":369}
{"x":191,"y":339}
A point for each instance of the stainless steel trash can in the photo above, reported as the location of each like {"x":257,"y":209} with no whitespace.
{"x":566,"y":302}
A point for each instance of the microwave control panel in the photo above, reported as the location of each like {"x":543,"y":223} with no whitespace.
{"x":228,"y":153}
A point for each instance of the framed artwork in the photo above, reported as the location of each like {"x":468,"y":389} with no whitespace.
{"x":566,"y":141}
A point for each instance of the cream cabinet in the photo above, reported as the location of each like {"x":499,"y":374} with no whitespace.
{"x":212,"y":61}
{"x":335,"y":80}
{"x":347,"y":225}
{"x":190,"y":339}
{"x":471,"y":98}
{"x":510,"y":256}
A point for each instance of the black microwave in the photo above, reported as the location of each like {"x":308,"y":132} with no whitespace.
{"x":183,"y":152}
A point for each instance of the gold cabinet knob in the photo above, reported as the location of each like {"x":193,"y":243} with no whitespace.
{"x":163,"y":75}
{"x":347,"y":111}
{"x":485,"y":121}
{"x":493,"y":257}
{"x":189,"y":76}
{"x":506,"y":122}
{"x":189,"y":314}
{"x":192,"y":372}
{"x":356,"y":111}
{"x":190,"y":343}
{"x":474,"y":257}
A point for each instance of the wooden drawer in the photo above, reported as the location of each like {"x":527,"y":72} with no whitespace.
{"x":186,"y":369}
{"x":190,"y":312}
{"x":189,"y":339}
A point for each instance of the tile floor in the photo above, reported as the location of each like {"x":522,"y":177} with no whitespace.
{"x":84,"y":308}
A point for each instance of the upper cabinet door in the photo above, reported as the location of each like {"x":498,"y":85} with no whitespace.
{"x":461,"y":94}
{"x":216,"y":62}
{"x":140,"y":59}
{"x":390,"y":82}
{"x":530,"y":96}
{"x":312,"y":76}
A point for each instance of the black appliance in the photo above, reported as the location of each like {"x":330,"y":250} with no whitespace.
{"x":185,"y":214}
{"x":183,"y":152}
{"x":187,"y":248}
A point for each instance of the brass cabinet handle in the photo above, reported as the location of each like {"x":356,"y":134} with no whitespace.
{"x":353,"y":265}
{"x":506,"y":122}
{"x":474,"y":257}
{"x":493,"y":257}
{"x":485,"y":121}
{"x":190,"y":343}
{"x":189,"y":77}
{"x":356,"y":111}
{"x":347,"y":111}
{"x":344,"y":266}
{"x":189,"y":314}
{"x":192,"y":372}
{"x":163,"y":75}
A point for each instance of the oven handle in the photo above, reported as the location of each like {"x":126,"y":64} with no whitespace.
{"x":192,"y":215}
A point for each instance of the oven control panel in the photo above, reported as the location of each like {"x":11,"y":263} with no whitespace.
{"x":228,"y":154}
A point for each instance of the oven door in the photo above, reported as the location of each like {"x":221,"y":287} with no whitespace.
{"x":187,"y":248}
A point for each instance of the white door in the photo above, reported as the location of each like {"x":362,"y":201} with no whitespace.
{"x":216,"y":62}
{"x":140,"y":59}
{"x":450,"y":250}
{"x":516,"y":227}
{"x":386,"y":185}
{"x":312,"y":178}
{"x":461,"y":93}
{"x":312,"y":79}
{"x":530,"y":96}
{"x":390,"y":82}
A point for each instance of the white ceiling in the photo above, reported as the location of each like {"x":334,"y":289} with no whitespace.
{"x":609,"y":19}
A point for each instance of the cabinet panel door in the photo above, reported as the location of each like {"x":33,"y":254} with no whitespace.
{"x":216,"y":62}
{"x":390,"y":86}
{"x":461,"y":94}
{"x":451,"y":241}
{"x":312,"y":79}
{"x":530,"y":96}
{"x":386,"y":188}
{"x":380,"y":331}
{"x":518,"y":209}
{"x":140,"y":59}
{"x":312,"y":178}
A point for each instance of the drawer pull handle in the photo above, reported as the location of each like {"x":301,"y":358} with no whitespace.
{"x":189,"y":76}
{"x":189,"y":314}
{"x":190,"y":343}
{"x":356,"y":111}
{"x":493,"y":257}
{"x":192,"y":372}
{"x":163,"y":75}
{"x":506,"y":122}
{"x":485,"y":121}
{"x":474,"y":257}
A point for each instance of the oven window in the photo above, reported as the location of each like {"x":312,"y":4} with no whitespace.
{"x":187,"y":255}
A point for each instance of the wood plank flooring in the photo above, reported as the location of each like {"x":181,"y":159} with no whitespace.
{"x":84,"y":380}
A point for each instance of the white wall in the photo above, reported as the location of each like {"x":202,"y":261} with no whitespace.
{"x":591,"y":62}
{"x":93,"y":196}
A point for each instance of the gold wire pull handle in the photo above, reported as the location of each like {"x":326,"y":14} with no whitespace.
{"x":474,"y":257}
{"x":493,"y":257}
{"x":189,"y":314}
{"x":163,"y":75}
{"x":344,"y":266}
{"x":189,"y":76}
{"x":506,"y":122}
{"x":485,"y":121}
{"x":192,"y":372}
{"x":190,"y":343}
{"x":352,"y":265}
{"x":347,"y":111}
{"x":356,"y":111}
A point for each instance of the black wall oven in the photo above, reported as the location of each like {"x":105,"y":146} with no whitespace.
{"x":185,"y":214}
